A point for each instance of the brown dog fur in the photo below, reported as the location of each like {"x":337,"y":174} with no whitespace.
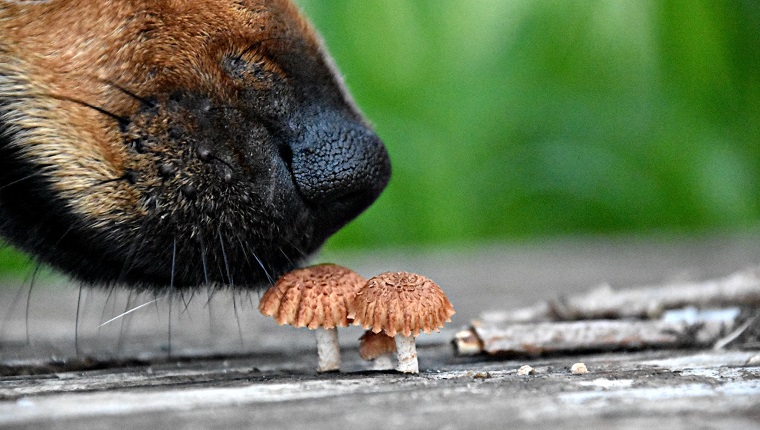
{"x":85,"y":83}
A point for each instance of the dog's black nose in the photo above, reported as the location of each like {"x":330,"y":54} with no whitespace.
{"x":339,"y":167}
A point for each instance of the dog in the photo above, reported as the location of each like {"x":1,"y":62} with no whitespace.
{"x":161,"y":144}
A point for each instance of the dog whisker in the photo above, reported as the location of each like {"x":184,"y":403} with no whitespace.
{"x":25,"y":178}
{"x":136,"y":308}
{"x":171,"y":295}
{"x":266,"y":272}
{"x":76,"y":321}
{"x":118,"y":118}
{"x":132,"y":94}
{"x":203,"y":259}
{"x":237,"y":318}
{"x":29,"y":300}
{"x":224,"y":257}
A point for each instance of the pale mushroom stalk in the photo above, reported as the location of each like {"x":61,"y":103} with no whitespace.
{"x":328,"y":350}
{"x":383,"y":362}
{"x":406,"y":352}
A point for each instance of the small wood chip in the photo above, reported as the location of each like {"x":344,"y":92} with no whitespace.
{"x":578,"y":369}
{"x":467,"y":342}
{"x":526,"y":370}
{"x":481,"y":375}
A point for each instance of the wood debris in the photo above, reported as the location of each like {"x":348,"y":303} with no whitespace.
{"x":578,"y":369}
{"x":526,"y":370}
{"x":696,"y":314}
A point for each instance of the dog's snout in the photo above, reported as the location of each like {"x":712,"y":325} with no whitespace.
{"x":339,"y":166}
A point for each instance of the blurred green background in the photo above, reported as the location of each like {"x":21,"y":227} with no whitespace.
{"x":511,"y":120}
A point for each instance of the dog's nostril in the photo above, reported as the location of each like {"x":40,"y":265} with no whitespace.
{"x":286,"y":154}
{"x":341,"y":167}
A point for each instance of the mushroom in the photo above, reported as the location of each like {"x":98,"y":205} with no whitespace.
{"x":401,"y":304}
{"x":316,"y":297}
{"x":377,"y":347}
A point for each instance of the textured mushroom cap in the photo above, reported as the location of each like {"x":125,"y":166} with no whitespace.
{"x":315,"y":296}
{"x":401,"y":302}
{"x":373,"y":345}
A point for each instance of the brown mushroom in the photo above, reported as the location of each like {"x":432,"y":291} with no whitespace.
{"x":316,"y":297}
{"x":377,"y":347}
{"x":401,"y":304}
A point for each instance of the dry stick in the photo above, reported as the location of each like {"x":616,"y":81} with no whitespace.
{"x":742,"y":288}
{"x":739,"y":289}
{"x":727,"y":339}
{"x":531,"y":330}
{"x":595,"y":335}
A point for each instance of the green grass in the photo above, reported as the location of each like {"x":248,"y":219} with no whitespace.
{"x":510,"y":120}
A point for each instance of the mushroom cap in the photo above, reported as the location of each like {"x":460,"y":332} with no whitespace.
{"x":401,"y":302}
{"x":315,"y":296}
{"x":373,"y":345}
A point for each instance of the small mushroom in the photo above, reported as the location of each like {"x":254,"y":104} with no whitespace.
{"x":316,"y":297}
{"x":377,"y":347}
{"x":401,"y":304}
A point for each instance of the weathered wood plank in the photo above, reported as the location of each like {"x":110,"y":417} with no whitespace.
{"x":232,"y":369}
{"x":447,"y":395}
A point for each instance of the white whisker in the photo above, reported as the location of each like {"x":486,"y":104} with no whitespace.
{"x":132,"y":310}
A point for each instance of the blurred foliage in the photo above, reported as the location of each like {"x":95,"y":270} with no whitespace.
{"x":13,"y":263}
{"x":515,"y":119}
{"x":511,"y":119}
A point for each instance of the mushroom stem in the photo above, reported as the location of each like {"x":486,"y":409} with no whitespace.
{"x":382,"y":362}
{"x":406,"y":352}
{"x":327,"y":349}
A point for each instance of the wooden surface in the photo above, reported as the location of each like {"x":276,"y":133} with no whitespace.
{"x":226,"y":366}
